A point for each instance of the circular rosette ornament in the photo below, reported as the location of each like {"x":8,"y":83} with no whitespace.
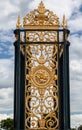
{"x":41,"y":77}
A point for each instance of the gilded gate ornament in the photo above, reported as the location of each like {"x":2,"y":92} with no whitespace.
{"x":41,"y":16}
{"x":42,"y":87}
{"x":41,"y":76}
{"x":41,"y":102}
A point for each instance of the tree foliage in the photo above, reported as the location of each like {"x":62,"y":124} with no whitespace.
{"x":7,"y":124}
{"x":80,"y":127}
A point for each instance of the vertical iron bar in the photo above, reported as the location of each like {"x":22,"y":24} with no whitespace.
{"x":15,"y":86}
{"x":22,"y":87}
{"x":68,"y":85}
{"x":25,"y":76}
{"x":58,"y":80}
{"x":60,"y":85}
{"x":65,"y":83}
{"x":18,"y":83}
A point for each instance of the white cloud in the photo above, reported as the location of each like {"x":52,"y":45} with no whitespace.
{"x":76,"y":96}
{"x":6,"y":73}
{"x":8,"y":12}
{"x":7,"y":7}
{"x":5,"y":116}
{"x":6,"y":42}
{"x":75,"y":48}
{"x":61,"y":7}
{"x":76,"y":69}
{"x":76,"y":120}
{"x":75,"y":23}
{"x":11,"y":9}
{"x":6,"y":100}
{"x":6,"y":36}
{"x":76,"y":72}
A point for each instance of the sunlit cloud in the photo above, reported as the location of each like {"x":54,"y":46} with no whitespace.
{"x":6,"y":100}
{"x":76,"y":120}
{"x":5,"y":116}
{"x":6,"y":73}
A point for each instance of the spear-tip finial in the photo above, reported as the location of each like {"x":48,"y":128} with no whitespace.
{"x":18,"y":25}
{"x":64,"y":22}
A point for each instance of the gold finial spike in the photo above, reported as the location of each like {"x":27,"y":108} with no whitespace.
{"x":41,"y":7}
{"x":18,"y":25}
{"x":64,"y":23}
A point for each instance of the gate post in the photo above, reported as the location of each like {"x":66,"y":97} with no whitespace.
{"x":19,"y":83}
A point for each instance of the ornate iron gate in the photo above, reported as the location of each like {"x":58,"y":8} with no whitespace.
{"x":41,"y":72}
{"x":42,"y":86}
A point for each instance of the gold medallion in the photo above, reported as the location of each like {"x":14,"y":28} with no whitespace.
{"x":41,"y":77}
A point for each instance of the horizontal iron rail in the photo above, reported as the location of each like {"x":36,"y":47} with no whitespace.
{"x":25,"y":43}
{"x":25,"y":30}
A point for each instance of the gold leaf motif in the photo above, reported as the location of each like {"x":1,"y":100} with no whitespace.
{"x":42,"y":92}
{"x":41,"y":109}
{"x":41,"y":16}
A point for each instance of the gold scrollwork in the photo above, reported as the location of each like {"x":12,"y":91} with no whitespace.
{"x":41,"y":102}
{"x":41,"y":77}
{"x":41,"y":86}
{"x":41,"y":16}
{"x":42,"y":36}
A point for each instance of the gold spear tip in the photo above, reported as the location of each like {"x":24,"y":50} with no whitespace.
{"x":64,"y":22}
{"x":18,"y":25}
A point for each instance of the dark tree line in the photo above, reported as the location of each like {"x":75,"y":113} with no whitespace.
{"x":7,"y":124}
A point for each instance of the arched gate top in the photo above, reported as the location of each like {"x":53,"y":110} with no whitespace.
{"x":41,"y":18}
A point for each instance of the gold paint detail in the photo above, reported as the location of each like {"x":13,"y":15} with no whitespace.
{"x":42,"y":36}
{"x":41,"y":77}
{"x":18,"y":25}
{"x":41,"y":101}
{"x":41,"y":88}
{"x":64,"y":22}
{"x":41,"y":17}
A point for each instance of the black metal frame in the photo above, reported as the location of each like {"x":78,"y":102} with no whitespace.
{"x":63,"y":81}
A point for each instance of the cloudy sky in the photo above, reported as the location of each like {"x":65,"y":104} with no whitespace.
{"x":9,"y":11}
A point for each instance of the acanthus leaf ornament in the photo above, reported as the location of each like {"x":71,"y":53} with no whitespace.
{"x":41,"y":16}
{"x":42,"y":87}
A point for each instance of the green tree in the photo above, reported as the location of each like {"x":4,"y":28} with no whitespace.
{"x":7,"y":124}
{"x":80,"y":127}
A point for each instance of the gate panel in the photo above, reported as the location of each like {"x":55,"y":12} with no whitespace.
{"x":41,"y":86}
{"x":41,"y":72}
